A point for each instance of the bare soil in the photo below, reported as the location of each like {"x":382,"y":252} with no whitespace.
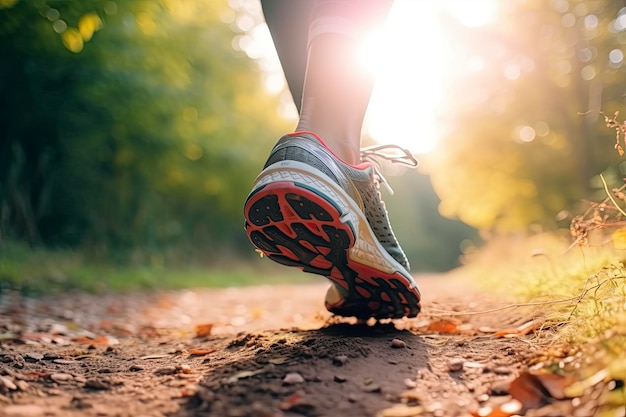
{"x":260,"y":352}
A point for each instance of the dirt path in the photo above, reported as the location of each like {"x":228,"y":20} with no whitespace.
{"x":262,"y":351}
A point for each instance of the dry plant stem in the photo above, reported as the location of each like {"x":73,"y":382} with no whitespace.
{"x":610,"y":196}
{"x":577,"y":298}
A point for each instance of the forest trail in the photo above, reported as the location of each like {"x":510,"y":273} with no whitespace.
{"x":266,"y":351}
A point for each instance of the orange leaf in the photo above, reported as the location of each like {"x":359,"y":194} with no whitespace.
{"x":99,"y":340}
{"x":204,"y":330}
{"x":442,"y":326}
{"x":536,"y":390}
{"x":201,"y":352}
{"x":519,"y":331}
{"x":290,"y":401}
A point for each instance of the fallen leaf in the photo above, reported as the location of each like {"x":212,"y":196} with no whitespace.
{"x":146,"y":357}
{"x":442,"y":326}
{"x":522,"y":330}
{"x":290,"y":401}
{"x":204,"y":330}
{"x":243,"y":375}
{"x":98,"y":340}
{"x":534,"y":390}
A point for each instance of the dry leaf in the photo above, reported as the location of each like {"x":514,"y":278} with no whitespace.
{"x":204,"y":330}
{"x":522,"y":330}
{"x":537,"y":390}
{"x":442,"y":326}
{"x":98,"y":340}
{"x":290,"y":401}
{"x":200,"y":352}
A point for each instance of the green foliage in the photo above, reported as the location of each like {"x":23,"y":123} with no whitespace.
{"x":525,"y":137}
{"x":39,"y":271}
{"x":127,"y":124}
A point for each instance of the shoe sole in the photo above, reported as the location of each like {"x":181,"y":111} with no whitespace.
{"x":299,"y":217}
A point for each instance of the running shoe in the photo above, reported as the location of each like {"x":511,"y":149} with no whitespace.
{"x":309,"y":209}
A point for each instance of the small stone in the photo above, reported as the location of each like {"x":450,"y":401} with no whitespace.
{"x":22,"y":385}
{"x":61,"y":377}
{"x":398,"y":344}
{"x":371,"y":388}
{"x":354,"y":398}
{"x":185,"y":369}
{"x":50,"y":356}
{"x":455,"y":365}
{"x":97,"y":384}
{"x":32,"y":357}
{"x":340,"y":360}
{"x":167,"y":370}
{"x":340,"y":378}
{"x":80,"y":379}
{"x":136,"y":368}
{"x":7,"y":383}
{"x":502,"y":370}
{"x":293,"y":378}
{"x":409,"y":383}
{"x":64,"y":361}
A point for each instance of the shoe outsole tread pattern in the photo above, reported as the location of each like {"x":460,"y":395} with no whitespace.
{"x":296,"y":226}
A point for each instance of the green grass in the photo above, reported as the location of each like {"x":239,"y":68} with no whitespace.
{"x":38,"y":271}
{"x":580,"y":292}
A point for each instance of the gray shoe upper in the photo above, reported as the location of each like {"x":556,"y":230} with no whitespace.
{"x":358,"y":183}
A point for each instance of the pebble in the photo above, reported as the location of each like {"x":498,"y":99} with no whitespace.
{"x":32,"y":356}
{"x":354,"y":398}
{"x":397,"y":343}
{"x":167,"y":370}
{"x":185,"y":369}
{"x":340,"y":360}
{"x":455,"y":365}
{"x":293,"y":378}
{"x":97,"y":384}
{"x":64,"y":361}
{"x":340,"y":378}
{"x":61,"y":377}
{"x":7,"y":383}
{"x":409,"y":383}
{"x":136,"y":368}
{"x":502,"y":370}
{"x":22,"y":385}
{"x":372,"y":388}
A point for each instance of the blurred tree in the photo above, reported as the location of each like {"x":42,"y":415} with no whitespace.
{"x":524,"y":137}
{"x":128,"y":124}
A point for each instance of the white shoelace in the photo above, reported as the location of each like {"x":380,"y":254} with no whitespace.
{"x":392,"y":153}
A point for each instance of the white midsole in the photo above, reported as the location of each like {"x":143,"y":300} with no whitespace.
{"x":367,"y":250}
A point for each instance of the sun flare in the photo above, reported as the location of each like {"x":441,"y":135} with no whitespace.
{"x":407,"y":59}
{"x":406,"y":55}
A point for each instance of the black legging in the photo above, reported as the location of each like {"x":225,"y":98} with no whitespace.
{"x":289,"y":22}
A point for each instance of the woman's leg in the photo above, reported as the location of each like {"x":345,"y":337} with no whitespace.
{"x":324,"y":72}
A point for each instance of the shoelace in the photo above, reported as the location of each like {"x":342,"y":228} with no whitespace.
{"x":392,"y":153}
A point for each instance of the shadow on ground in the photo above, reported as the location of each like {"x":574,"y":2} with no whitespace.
{"x":342,"y":369}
